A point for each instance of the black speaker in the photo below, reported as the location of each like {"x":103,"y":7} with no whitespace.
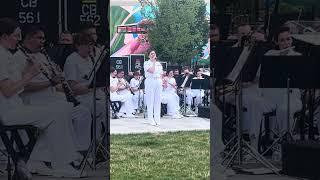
{"x":204,"y":111}
{"x":301,"y":159}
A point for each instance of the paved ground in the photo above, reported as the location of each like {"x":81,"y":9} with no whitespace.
{"x":140,"y":125}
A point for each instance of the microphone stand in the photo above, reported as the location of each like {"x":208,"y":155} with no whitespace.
{"x":93,"y":145}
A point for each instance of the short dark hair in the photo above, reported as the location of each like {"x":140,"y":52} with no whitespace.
{"x":31,"y":29}
{"x":112,"y":69}
{"x":136,"y":73}
{"x":7,"y":26}
{"x":186,"y":67}
{"x":214,"y":27}
{"x":282,"y":29}
{"x":85,"y":26}
{"x":150,"y":50}
{"x":82,"y":39}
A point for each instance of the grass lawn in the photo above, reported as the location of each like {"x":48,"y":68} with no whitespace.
{"x":179,"y":155}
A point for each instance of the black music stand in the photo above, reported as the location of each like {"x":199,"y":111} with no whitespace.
{"x":98,"y":78}
{"x":289,"y":72}
{"x":241,"y":73}
{"x":201,"y":84}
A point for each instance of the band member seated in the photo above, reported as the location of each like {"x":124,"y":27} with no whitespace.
{"x":127,"y":108}
{"x":245,"y":30}
{"x":77,"y":70}
{"x":254,"y":104}
{"x":170,"y":97}
{"x":198,"y":94}
{"x":63,"y":49}
{"x":124,"y":88}
{"x":55,"y":143}
{"x":277,"y":96}
{"x":40,"y":91}
{"x":184,"y":84}
{"x":135,"y":88}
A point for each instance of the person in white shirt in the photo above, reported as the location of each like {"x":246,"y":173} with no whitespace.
{"x":55,"y":123}
{"x":278,"y":96}
{"x":41,"y":92}
{"x":127,"y":108}
{"x":170,"y":97}
{"x":135,"y":83}
{"x":153,"y":87}
{"x":77,"y":70}
{"x":197,"y":93}
{"x":185,"y":82}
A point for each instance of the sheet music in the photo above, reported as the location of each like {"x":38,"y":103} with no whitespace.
{"x":239,"y":65}
{"x":312,"y":38}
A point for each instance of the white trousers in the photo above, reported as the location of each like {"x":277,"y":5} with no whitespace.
{"x":279,"y":98}
{"x":198,"y":94}
{"x":136,"y":98}
{"x":172,"y":101}
{"x":80,"y":115}
{"x":56,"y":135}
{"x":255,"y":106}
{"x":153,"y":90}
{"x":127,"y":105}
{"x":87,"y":101}
{"x":188,"y":96}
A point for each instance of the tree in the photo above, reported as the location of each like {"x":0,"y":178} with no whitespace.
{"x":180,"y":31}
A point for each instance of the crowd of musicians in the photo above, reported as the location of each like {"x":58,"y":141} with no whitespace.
{"x":37,"y":88}
{"x":170,"y":87}
{"x":258,"y":103}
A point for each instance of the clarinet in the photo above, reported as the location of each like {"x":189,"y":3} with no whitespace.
{"x":30,"y":60}
{"x":65,"y":86}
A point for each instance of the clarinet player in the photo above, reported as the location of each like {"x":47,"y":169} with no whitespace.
{"x":40,"y":91}
{"x":153,"y":88}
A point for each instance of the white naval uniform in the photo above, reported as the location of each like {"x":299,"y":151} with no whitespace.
{"x":126,"y":98}
{"x":255,"y":106}
{"x":55,"y":144}
{"x":187,"y":91}
{"x":80,"y":115}
{"x":153,"y":90}
{"x":278,"y":97}
{"x":76,"y":69}
{"x":198,"y":94}
{"x":137,"y":94}
{"x":170,"y":97}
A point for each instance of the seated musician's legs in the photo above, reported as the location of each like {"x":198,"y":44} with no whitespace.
{"x":282,"y":111}
{"x":127,"y":106}
{"x":82,"y":120}
{"x":252,"y":117}
{"x":172,"y":104}
{"x":57,"y":133}
{"x":189,"y":97}
{"x":135,"y":100}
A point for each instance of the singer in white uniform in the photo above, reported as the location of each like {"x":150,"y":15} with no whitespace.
{"x":153,"y":87}
{"x":40,"y":91}
{"x":54,"y":123}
